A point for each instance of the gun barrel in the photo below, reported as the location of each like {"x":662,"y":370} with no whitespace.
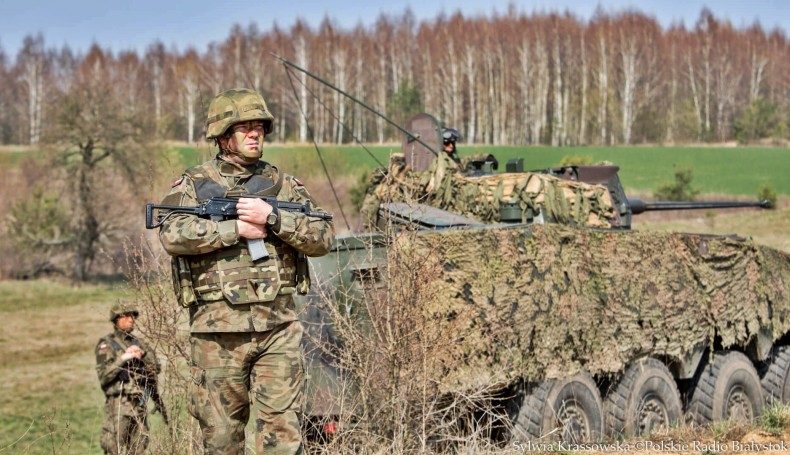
{"x":639,"y":206}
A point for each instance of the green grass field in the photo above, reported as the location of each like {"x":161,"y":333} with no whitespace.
{"x":720,"y":170}
{"x":52,"y":402}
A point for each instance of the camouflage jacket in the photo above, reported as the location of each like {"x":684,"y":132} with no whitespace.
{"x":233,"y":292}
{"x":117,"y":376}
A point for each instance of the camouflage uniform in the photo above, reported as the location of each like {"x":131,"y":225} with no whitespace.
{"x":245,"y":333}
{"x":123,"y":382}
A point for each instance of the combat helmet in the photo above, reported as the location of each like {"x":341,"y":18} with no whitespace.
{"x":122,"y":307}
{"x":234,"y":106}
{"x":450,"y":136}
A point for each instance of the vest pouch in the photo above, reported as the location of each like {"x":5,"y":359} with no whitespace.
{"x":182,"y":281}
{"x":302,"y":274}
{"x":243,"y":281}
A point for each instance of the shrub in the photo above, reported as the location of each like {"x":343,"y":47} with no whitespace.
{"x":767,"y":193}
{"x":680,"y":189}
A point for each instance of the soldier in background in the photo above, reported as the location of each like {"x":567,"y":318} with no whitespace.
{"x":449,"y":137}
{"x":126,"y":367}
{"x":244,"y":330}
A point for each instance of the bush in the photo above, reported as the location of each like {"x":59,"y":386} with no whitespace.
{"x":576,"y":160}
{"x":767,"y":193}
{"x":759,"y":120}
{"x":38,"y":227}
{"x":359,"y":190}
{"x":680,"y":189}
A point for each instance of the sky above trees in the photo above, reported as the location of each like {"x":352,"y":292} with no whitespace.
{"x":135,"y":25}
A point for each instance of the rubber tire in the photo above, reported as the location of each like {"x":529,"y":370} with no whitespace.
{"x":647,"y":378}
{"x":726,"y":371}
{"x":776,"y":376}
{"x":536,"y":415}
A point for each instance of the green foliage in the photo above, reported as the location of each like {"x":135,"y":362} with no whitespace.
{"x":576,"y":160}
{"x":775,"y":418}
{"x":405,"y":102}
{"x":767,"y":193}
{"x":38,"y":226}
{"x":680,"y":189}
{"x":761,"y":119}
{"x":359,"y":190}
{"x":39,"y":223}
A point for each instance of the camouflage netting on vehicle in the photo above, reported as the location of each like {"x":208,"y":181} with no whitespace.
{"x":561,"y":201}
{"x":551,"y":300}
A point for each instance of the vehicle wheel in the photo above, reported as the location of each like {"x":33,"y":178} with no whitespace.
{"x":566,"y":410}
{"x":776,"y":376}
{"x":645,"y":399}
{"x":728,"y":389}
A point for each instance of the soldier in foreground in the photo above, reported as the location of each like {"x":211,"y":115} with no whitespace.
{"x":127,"y":371}
{"x":245,"y":333}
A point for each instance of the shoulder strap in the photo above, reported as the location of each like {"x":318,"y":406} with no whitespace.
{"x":207,"y":182}
{"x":263,"y":186}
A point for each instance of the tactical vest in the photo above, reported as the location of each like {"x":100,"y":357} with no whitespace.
{"x":230,"y":272}
{"x":128,"y":382}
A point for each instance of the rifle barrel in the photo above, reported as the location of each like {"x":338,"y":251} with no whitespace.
{"x":638,"y":206}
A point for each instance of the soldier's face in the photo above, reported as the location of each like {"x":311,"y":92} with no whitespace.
{"x":125,"y":322}
{"x":246,"y":139}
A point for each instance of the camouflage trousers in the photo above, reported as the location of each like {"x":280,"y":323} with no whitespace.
{"x":233,"y":371}
{"x":125,"y":432}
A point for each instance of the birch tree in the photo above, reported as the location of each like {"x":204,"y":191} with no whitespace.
{"x":33,"y":64}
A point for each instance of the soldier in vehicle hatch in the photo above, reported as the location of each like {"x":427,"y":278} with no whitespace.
{"x":244,"y":331}
{"x":449,"y":137}
{"x":127,"y":370}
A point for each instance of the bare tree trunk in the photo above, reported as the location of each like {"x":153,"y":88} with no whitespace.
{"x":708,"y":81}
{"x":525,"y":78}
{"x":673,"y":90}
{"x":603,"y":88}
{"x":32,"y":64}
{"x":88,"y":224}
{"x":300,"y":47}
{"x":340,"y":59}
{"x":190,"y":95}
{"x":695,"y":97}
{"x":558,"y":124}
{"x":628,"y":55}
{"x":471,"y":78}
{"x":758,"y":66}
{"x":582,"y":138}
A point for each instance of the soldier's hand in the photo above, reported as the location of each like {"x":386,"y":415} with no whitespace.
{"x":249,"y":230}
{"x":253,"y":210}
{"x":133,"y":352}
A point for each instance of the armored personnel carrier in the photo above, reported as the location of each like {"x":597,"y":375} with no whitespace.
{"x":586,"y":327}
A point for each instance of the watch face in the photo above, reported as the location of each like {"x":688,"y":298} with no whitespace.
{"x":271,"y":220}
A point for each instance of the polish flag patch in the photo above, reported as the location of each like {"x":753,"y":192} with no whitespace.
{"x":102,"y":347}
{"x":298,"y":182}
{"x":178,"y":182}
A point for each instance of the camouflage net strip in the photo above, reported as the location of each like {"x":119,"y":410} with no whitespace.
{"x":560,"y":201}
{"x":549,"y":301}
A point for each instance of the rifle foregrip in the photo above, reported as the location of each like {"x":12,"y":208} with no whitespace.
{"x":149,"y":216}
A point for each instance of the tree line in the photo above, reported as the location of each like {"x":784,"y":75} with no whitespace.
{"x":512,"y":78}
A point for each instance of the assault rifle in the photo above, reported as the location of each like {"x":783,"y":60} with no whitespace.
{"x":152,"y":391}
{"x":222,"y":208}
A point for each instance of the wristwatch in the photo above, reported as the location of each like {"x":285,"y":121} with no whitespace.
{"x":271,"y":220}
